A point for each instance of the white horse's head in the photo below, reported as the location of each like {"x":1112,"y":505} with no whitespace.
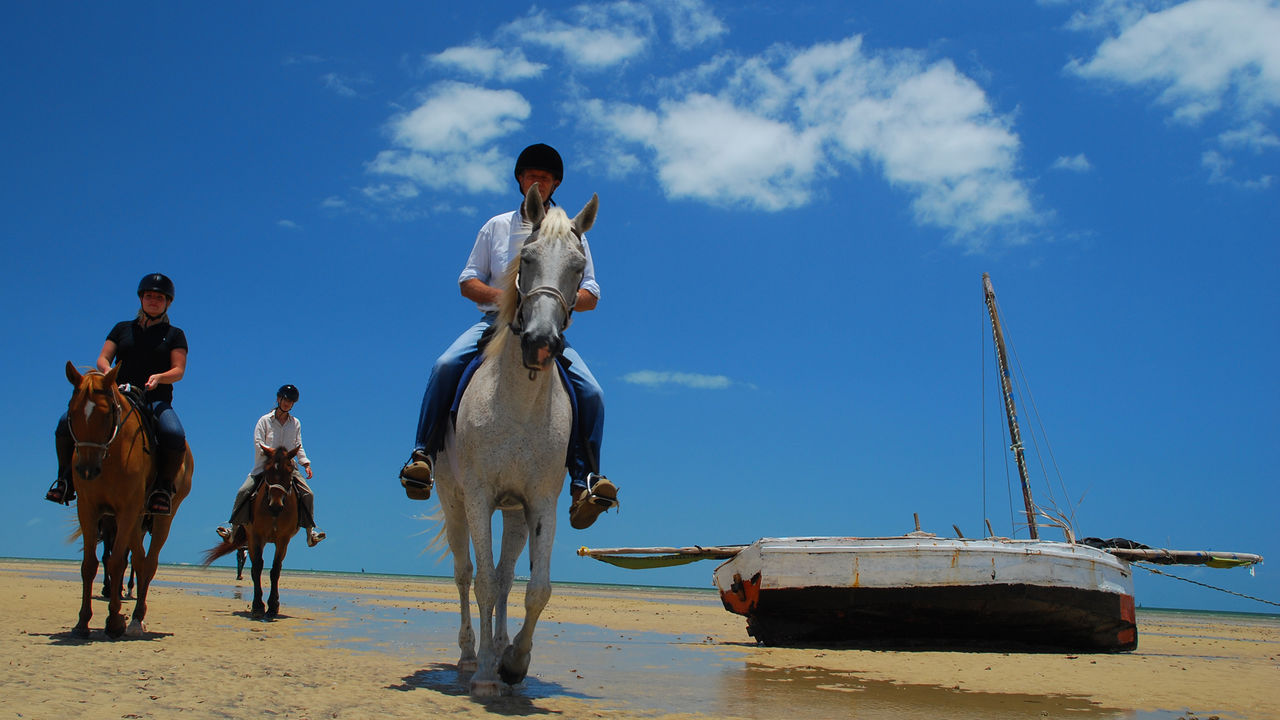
{"x":548,"y":272}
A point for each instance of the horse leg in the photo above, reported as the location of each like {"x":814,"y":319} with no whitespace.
{"x":106,"y":531}
{"x":255,"y":571}
{"x":484,"y":683}
{"x":145,"y":563}
{"x":88,"y":569}
{"x":514,"y":533}
{"x":515,"y":659}
{"x":273,"y":600}
{"x":459,"y":538}
{"x":115,"y":575}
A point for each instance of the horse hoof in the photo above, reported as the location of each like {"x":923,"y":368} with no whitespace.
{"x":485,"y":689}
{"x":115,"y":629}
{"x":258,"y":612}
{"x":80,"y":631}
{"x":137,"y":628}
{"x":513,"y":667}
{"x":468,"y":666}
{"x":273,"y":611}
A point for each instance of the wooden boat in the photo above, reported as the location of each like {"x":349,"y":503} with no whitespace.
{"x":921,"y":590}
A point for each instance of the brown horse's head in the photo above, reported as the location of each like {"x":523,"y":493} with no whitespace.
{"x":278,"y":476}
{"x":94,"y":416}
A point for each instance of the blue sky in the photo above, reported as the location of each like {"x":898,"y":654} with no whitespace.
{"x":797,"y":203}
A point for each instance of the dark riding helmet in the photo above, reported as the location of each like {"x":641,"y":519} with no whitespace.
{"x":288,"y":392}
{"x":540,"y":157}
{"x":156,"y":283}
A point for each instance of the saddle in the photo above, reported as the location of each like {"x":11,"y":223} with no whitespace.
{"x":138,"y":402}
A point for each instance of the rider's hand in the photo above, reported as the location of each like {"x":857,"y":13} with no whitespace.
{"x":152,"y":382}
{"x":308,"y":469}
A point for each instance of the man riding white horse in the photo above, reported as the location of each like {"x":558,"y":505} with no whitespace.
{"x":496,"y":244}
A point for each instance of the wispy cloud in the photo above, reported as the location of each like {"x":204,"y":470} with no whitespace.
{"x":344,"y":85}
{"x":1219,"y":167}
{"x":1075,"y":163}
{"x":288,"y":224}
{"x":655,"y":378}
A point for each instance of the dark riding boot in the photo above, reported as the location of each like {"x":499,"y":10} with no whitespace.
{"x":63,"y":491}
{"x":161,"y":500}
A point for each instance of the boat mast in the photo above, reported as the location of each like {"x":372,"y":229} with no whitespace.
{"x":1006,"y":386}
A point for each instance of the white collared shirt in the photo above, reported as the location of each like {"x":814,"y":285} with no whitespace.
{"x":273,"y":434}
{"x":497,"y":244}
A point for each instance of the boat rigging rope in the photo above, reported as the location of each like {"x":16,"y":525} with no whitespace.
{"x":1205,"y":585}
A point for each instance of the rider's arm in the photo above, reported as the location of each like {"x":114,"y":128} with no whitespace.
{"x":177,"y":368}
{"x":586,"y":301}
{"x":478,"y":292}
{"x":106,"y":356}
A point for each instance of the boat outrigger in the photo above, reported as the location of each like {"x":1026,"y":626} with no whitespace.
{"x":921,"y":590}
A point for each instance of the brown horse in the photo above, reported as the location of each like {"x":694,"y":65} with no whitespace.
{"x":114,"y":467}
{"x":275,"y":520}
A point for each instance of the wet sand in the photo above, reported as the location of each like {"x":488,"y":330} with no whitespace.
{"x":355,"y":646}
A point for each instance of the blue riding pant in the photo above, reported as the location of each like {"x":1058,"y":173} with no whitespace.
{"x":442,"y":385}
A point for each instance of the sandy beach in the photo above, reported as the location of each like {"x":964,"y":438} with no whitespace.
{"x":354,"y":646}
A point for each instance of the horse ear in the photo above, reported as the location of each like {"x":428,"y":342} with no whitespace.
{"x":112,"y":373}
{"x":294,"y":452}
{"x":534,"y":210}
{"x":587,"y":216}
{"x":73,"y":375}
{"x":266,"y":450}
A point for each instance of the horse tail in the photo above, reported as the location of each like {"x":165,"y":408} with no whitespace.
{"x":439,"y":543}
{"x":217,"y":551}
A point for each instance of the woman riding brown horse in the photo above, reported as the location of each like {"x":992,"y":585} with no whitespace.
{"x":113,"y":461}
{"x":275,"y":521}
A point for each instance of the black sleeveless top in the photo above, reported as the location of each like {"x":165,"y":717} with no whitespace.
{"x":143,"y":352}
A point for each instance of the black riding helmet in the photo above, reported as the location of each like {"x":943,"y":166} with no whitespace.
{"x":288,"y":392}
{"x":540,"y":157}
{"x":156,"y":283}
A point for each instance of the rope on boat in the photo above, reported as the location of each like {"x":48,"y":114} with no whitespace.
{"x":1204,"y":585}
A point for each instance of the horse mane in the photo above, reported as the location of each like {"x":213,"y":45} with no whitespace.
{"x":555,"y":224}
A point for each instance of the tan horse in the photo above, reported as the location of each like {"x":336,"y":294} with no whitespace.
{"x":275,"y":521}
{"x":114,"y":466}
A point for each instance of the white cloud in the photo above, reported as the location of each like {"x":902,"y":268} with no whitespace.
{"x":602,"y":35}
{"x":288,"y":224}
{"x":489,"y":62}
{"x":333,"y":202}
{"x":1200,"y":55}
{"x":447,"y":141}
{"x":780,"y":121}
{"x":654,"y":378}
{"x":1075,"y":163}
{"x":458,"y":117}
{"x":692,"y":22}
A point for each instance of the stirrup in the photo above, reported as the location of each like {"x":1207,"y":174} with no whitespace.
{"x":314,"y":537}
{"x":601,"y":495}
{"x":160,"y":502}
{"x":60,"y":492}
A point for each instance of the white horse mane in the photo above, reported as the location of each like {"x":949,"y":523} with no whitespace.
{"x":556,"y":224}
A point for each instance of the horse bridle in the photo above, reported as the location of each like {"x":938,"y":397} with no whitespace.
{"x":117,"y":418}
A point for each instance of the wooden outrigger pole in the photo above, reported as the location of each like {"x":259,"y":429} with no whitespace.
{"x":1006,"y":386}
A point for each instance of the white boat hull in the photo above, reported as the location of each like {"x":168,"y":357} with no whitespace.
{"x":924,"y":590}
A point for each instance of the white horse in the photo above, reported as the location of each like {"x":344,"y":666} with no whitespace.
{"x":508,"y":447}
